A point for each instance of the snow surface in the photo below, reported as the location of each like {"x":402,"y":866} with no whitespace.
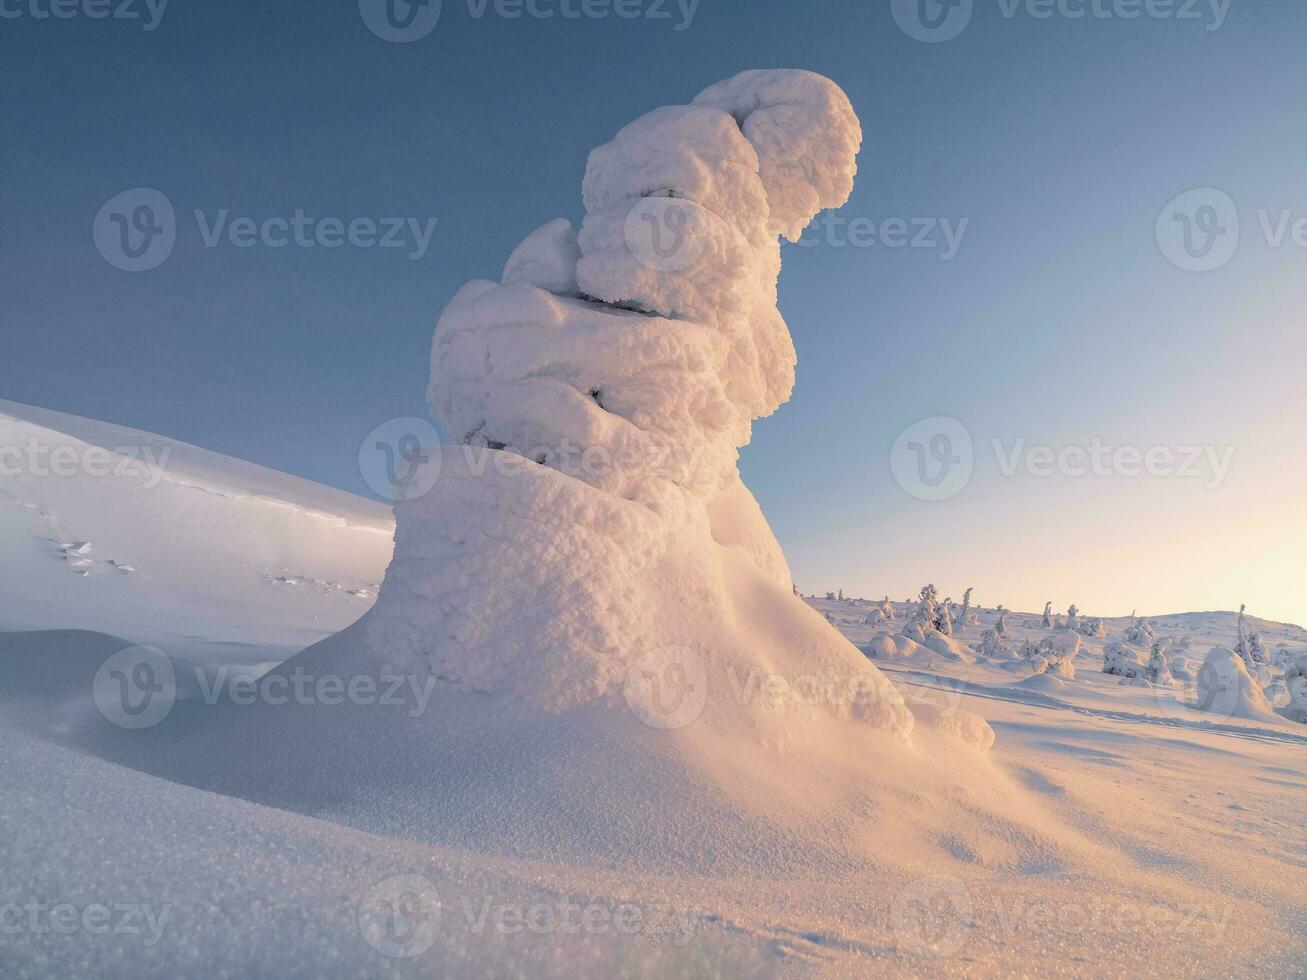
{"x":605,"y":695}
{"x":1097,"y":805}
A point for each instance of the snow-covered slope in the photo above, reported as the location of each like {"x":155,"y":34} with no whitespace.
{"x":112,"y":529}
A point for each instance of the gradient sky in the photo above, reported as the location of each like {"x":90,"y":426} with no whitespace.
{"x":1059,"y":320}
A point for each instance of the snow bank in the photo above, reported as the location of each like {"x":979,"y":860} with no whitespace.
{"x":1224,"y":687}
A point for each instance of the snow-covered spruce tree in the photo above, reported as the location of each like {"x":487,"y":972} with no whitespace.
{"x":1140,"y":633}
{"x":666,"y":303}
{"x":1093,"y":627}
{"x":1159,"y":665}
{"x":1243,"y":647}
{"x":1123,"y":660}
{"x":1000,"y":624}
{"x":945,"y":621}
{"x":1257,"y":649}
{"x":967,"y":617}
{"x":1073,"y":618}
{"x":1048,"y":615}
{"x":993,"y":645}
{"x":1295,"y":678}
{"x":1052,"y":655}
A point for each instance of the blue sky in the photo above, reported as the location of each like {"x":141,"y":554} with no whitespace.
{"x":1059,"y":320}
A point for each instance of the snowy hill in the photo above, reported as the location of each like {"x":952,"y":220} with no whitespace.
{"x":126,"y":532}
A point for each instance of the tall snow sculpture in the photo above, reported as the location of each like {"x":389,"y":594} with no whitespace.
{"x":588,"y":512}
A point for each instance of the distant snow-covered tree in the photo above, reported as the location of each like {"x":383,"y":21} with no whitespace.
{"x":1000,"y":625}
{"x":1140,"y":633}
{"x":1048,"y":615}
{"x":1093,"y":626}
{"x":1243,"y":647}
{"x":1295,"y":678}
{"x":967,"y":617}
{"x":1123,"y":660}
{"x":993,"y":645}
{"x":1073,"y":618}
{"x":1257,"y":649}
{"x":945,"y":621}
{"x":1158,"y":670}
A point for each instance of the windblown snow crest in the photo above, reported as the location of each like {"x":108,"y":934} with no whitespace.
{"x":594,"y":516}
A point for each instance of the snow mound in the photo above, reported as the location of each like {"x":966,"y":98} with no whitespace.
{"x":1224,"y":687}
{"x":949,"y":648}
{"x":895,"y":646}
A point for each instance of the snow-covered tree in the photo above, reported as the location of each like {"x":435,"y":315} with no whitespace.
{"x":1244,"y":647}
{"x":841,"y":595}
{"x":1123,"y":660}
{"x":1093,"y":626}
{"x":1048,"y":615}
{"x":967,"y":616}
{"x":1140,"y":633}
{"x":994,"y":646}
{"x":1000,"y":625}
{"x":1158,"y":670}
{"x":1295,"y":678}
{"x":945,"y":621}
{"x":1073,"y":618}
{"x":1257,"y":649}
